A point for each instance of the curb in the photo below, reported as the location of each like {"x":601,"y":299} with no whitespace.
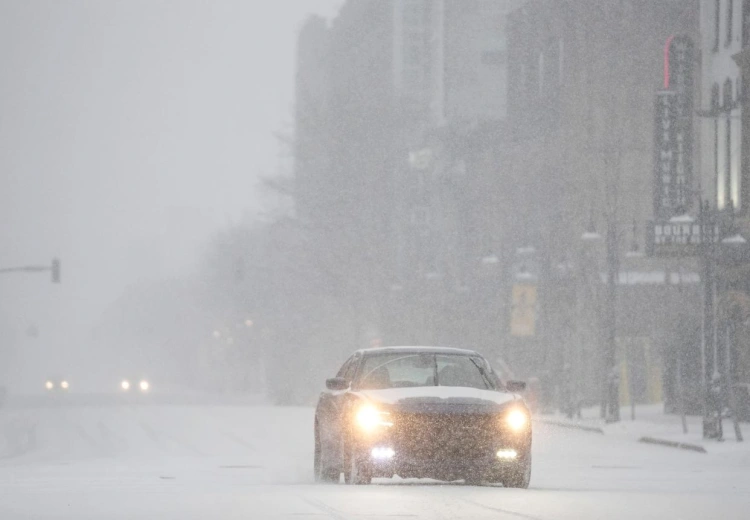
{"x":673,"y":444}
{"x":573,"y":426}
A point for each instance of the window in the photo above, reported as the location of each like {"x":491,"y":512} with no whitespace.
{"x":349,"y":368}
{"x":400,"y":370}
{"x":523,"y":77}
{"x":728,"y":99}
{"x":717,"y":24}
{"x":728,"y":142}
{"x":413,"y":54}
{"x":493,"y":58}
{"x":715,"y":106}
{"x":421,"y":220}
{"x":730,"y":21}
{"x":345,"y":368}
{"x":413,"y":13}
{"x":542,"y":73}
{"x":461,"y":371}
{"x":419,"y":369}
{"x":715,"y":95}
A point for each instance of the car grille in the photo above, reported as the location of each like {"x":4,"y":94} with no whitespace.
{"x":430,"y":436}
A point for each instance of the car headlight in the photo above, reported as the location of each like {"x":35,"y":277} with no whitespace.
{"x":49,"y":385}
{"x":518,"y":420}
{"x":125,"y":385}
{"x":143,"y":385}
{"x":64,"y":385}
{"x":368,"y":418}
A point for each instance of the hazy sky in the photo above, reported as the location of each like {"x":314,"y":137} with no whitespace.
{"x":129,"y":131}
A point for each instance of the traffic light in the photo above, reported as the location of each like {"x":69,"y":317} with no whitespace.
{"x":55,"y":270}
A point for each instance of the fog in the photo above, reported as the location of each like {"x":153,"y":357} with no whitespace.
{"x":472,"y":258}
{"x":129,"y":133}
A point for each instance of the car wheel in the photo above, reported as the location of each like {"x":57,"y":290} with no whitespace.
{"x":519,"y":475}
{"x":322,"y":472}
{"x":356,"y":472}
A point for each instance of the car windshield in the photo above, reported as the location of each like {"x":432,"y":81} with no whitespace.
{"x":402,"y":370}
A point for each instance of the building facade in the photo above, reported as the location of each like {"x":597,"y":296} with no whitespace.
{"x":396,"y":147}
{"x":583,"y":77}
{"x":723,"y":182}
{"x":455,"y":53}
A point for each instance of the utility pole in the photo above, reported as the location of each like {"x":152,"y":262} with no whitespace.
{"x":730,"y":384}
{"x":705,"y":222}
{"x":610,"y":375}
{"x":610,"y":409}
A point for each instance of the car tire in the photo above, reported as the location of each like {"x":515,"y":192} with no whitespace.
{"x":519,"y":476}
{"x":357,"y":473}
{"x":323,"y":474}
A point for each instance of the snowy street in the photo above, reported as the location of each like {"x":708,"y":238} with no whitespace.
{"x":190,"y":462}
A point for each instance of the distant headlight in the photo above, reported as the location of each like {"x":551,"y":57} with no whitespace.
{"x":144,"y":386}
{"x":49,"y":385}
{"x":517,"y":420}
{"x":64,"y":385}
{"x":368,"y":418}
{"x":125,"y":385}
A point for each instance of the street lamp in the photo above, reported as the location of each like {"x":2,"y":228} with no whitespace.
{"x":490,"y":260}
{"x":590,"y":237}
{"x":53,"y":268}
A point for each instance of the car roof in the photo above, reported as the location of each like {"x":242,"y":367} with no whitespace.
{"x":416,"y":349}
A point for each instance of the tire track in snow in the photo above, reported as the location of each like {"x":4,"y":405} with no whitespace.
{"x":508,"y":512}
{"x":159,"y":439}
{"x":514,"y":514}
{"x":332,"y":512}
{"x":338,"y":515}
{"x":18,"y":440}
{"x":76,"y":426}
{"x":117,"y":443}
{"x":239,"y":440}
{"x":86,"y":436}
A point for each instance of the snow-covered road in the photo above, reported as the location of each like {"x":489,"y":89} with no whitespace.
{"x":241,"y":462}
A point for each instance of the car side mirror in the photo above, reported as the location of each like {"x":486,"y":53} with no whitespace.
{"x":337,"y":383}
{"x":515,"y":386}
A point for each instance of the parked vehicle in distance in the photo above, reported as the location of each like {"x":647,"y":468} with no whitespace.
{"x":422,"y":412}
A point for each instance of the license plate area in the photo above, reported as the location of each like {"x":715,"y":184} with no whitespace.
{"x":445,"y":436}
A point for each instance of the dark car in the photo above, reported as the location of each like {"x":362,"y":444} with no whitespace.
{"x":422,"y":412}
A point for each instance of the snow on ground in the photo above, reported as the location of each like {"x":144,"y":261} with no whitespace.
{"x":651,"y":421}
{"x":216,"y":462}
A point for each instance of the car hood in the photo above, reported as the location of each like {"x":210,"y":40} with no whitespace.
{"x":445,"y":399}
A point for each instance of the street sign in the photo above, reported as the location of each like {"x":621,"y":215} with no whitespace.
{"x":55,"y":269}
{"x":673,"y":136}
{"x":681,"y":236}
{"x":523,"y":312}
{"x":665,"y":164}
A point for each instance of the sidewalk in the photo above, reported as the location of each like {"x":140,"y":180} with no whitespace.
{"x":652,"y":423}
